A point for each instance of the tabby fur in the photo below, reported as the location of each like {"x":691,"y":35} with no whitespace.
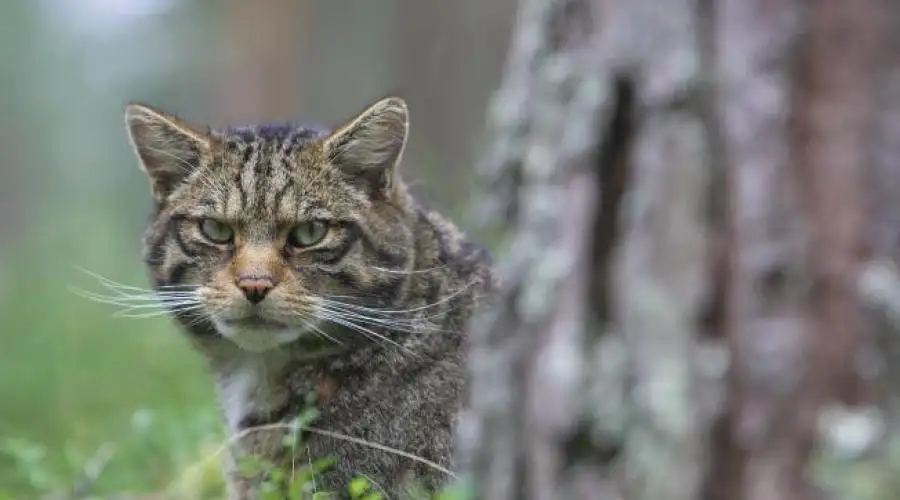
{"x":371,"y":319}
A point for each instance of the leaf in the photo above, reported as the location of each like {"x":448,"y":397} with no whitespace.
{"x":251,"y":466}
{"x":323,"y":464}
{"x":306,"y":417}
{"x":278,"y":477}
{"x":299,"y":485}
{"x":358,"y":486}
{"x":461,"y":489}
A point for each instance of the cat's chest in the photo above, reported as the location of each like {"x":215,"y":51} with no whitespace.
{"x":246,"y":390}
{"x":252,"y":386}
{"x":254,"y":392}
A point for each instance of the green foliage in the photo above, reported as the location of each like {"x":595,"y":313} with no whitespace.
{"x":299,"y":483}
{"x":94,"y":402}
{"x":872,"y":476}
{"x":461,"y":489}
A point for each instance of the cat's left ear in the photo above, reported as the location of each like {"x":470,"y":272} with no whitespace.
{"x":369,"y":147}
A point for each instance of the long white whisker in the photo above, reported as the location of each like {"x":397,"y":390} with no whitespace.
{"x":128,"y":301}
{"x":110,"y":283}
{"x":141,"y":296}
{"x":161,"y":305}
{"x":136,"y":302}
{"x":151,"y":314}
{"x":136,"y":293}
{"x":396,"y":324}
{"x":310,"y":325}
{"x":371,"y":312}
{"x":359,"y":328}
{"x":404,"y":271}
{"x":413,"y":309}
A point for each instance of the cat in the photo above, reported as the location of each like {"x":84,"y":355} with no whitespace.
{"x":298,"y":263}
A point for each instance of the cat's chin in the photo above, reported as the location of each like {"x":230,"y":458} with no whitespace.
{"x":256,"y":339}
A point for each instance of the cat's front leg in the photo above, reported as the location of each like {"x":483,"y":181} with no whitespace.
{"x":260,"y":457}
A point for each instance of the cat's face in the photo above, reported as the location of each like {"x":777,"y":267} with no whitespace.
{"x":265,"y":232}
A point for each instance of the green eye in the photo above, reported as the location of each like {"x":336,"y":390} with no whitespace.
{"x":307,"y":234}
{"x":216,"y":232}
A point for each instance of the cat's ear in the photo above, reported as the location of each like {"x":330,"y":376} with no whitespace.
{"x":369,"y":147}
{"x":168,"y":148}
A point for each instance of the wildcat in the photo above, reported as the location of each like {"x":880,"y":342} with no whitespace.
{"x":298,"y":264}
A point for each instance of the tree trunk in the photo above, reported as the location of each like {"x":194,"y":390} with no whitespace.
{"x":681,"y":185}
{"x":596,"y":298}
{"x":265,"y":45}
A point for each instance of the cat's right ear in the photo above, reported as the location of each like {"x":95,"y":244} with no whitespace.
{"x":168,"y":148}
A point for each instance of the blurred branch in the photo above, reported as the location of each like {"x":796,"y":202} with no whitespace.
{"x":92,"y":470}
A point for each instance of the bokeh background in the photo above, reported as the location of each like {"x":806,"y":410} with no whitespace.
{"x":124,"y":404}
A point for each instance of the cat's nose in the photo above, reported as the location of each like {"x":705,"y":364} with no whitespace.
{"x":255,"y":287}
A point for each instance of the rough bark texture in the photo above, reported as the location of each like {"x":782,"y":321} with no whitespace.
{"x":834,"y":122}
{"x":548,"y":178}
{"x":759,"y":450}
{"x":590,"y":105}
{"x":795,"y":115}
{"x":682,"y":184}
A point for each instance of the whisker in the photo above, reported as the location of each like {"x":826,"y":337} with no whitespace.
{"x":143,"y":295}
{"x":310,"y":325}
{"x":132,"y":291}
{"x":404,"y":271}
{"x":359,"y":328}
{"x":128,"y":301}
{"x":415,"y":325}
{"x":151,"y":314}
{"x":139,"y":303}
{"x":404,"y":311}
{"x":168,"y":306}
{"x":414,"y":319}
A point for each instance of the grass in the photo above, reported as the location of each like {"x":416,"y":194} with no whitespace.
{"x":78,"y":386}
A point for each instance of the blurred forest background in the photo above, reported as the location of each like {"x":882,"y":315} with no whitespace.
{"x":714,"y":308}
{"x":80,"y":388}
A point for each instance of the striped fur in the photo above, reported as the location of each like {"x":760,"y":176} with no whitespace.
{"x":398,"y":380}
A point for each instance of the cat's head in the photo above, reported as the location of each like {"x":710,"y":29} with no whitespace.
{"x":271,"y":229}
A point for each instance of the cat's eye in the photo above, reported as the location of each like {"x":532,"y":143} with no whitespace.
{"x":307,"y":234}
{"x":216,"y":231}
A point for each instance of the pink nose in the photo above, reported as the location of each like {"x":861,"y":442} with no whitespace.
{"x":255,"y":288}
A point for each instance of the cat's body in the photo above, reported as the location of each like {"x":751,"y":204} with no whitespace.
{"x":298,"y":263}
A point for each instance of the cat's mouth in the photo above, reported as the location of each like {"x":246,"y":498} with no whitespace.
{"x":254,"y":323}
{"x":256,"y":333}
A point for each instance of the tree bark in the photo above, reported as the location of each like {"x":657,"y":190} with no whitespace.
{"x":795,"y":115}
{"x":759,"y":451}
{"x":589,"y":106}
{"x":548,"y":180}
{"x":681,"y":185}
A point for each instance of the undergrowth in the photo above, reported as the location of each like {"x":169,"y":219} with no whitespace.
{"x":199,"y":479}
